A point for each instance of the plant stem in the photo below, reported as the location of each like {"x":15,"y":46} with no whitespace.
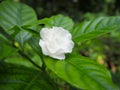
{"x":6,"y":35}
{"x":28,"y":58}
{"x":43,"y":63}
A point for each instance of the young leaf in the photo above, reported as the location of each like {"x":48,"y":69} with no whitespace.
{"x":94,"y":28}
{"x":15,"y":13}
{"x":82,"y":73}
{"x":21,"y":78}
{"x":58,"y":20}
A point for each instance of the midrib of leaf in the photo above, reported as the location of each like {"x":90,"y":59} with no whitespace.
{"x":54,"y":65}
{"x":31,"y":82}
{"x":84,"y":73}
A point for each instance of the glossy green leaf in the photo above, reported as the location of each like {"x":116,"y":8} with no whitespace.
{"x":15,"y":13}
{"x":21,"y":78}
{"x":59,"y":21}
{"x":82,"y":73}
{"x":14,"y":16}
{"x":94,"y":28}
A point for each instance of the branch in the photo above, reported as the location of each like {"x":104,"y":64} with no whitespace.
{"x":28,"y":58}
{"x":43,"y":63}
{"x":6,"y":35}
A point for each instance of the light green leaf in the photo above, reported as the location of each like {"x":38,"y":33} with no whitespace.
{"x":21,"y":78}
{"x":59,"y":21}
{"x":16,"y":14}
{"x":94,"y":28}
{"x":82,"y":73}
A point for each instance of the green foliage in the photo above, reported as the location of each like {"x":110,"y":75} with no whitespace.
{"x":22,"y":37}
{"x":17,"y":60}
{"x":35,"y":45}
{"x":94,"y":28}
{"x":82,"y":72}
{"x":15,"y":13}
{"x":19,"y":38}
{"x":58,"y":20}
{"x":17,"y":78}
{"x":5,"y":49}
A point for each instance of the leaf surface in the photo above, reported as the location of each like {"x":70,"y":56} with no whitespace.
{"x":16,"y":14}
{"x":21,"y":78}
{"x":82,"y":73}
{"x":59,"y":21}
{"x":94,"y":28}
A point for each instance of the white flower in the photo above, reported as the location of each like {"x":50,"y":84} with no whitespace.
{"x":55,"y":42}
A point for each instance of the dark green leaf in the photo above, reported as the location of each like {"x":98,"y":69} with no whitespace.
{"x":22,"y":78}
{"x":5,"y":49}
{"x":22,"y":37}
{"x":14,"y":16}
{"x":15,"y":13}
{"x":58,"y":20}
{"x":20,"y":61}
{"x":34,"y":43}
{"x":82,"y":73}
{"x":94,"y":28}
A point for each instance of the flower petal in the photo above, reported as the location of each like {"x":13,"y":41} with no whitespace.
{"x":55,"y":42}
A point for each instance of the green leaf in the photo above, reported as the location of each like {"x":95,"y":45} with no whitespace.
{"x":59,"y":21}
{"x":22,"y":37}
{"x":14,"y":16}
{"x":21,"y":78}
{"x":94,"y":28}
{"x":34,"y":43}
{"x":5,"y":49}
{"x":15,"y":13}
{"x":82,"y":73}
{"x":17,"y":60}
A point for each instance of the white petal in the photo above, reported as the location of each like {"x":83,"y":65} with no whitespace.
{"x":56,"y":42}
{"x":44,"y":33}
{"x":60,"y":56}
{"x":43,"y":46}
{"x":69,"y":47}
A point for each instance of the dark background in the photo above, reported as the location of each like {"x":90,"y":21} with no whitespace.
{"x":73,"y":8}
